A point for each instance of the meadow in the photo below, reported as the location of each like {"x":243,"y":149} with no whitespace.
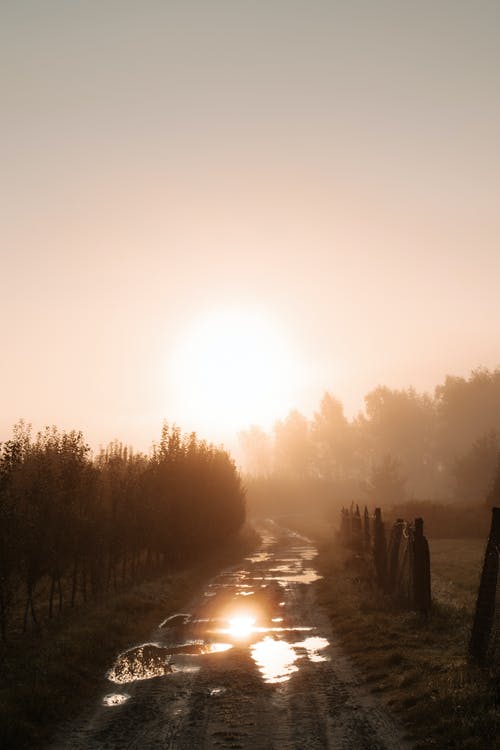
{"x":418,"y":664}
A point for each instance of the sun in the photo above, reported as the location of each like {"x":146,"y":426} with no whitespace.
{"x":233,"y":368}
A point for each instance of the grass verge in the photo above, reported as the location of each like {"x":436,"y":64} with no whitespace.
{"x":47,"y":677}
{"x":417,"y":664}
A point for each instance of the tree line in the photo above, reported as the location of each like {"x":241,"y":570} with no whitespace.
{"x":74,"y":524}
{"x":403,"y":445}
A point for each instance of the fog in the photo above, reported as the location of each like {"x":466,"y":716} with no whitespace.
{"x":404,"y":447}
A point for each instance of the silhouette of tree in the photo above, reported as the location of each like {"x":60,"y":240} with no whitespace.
{"x":80,"y":525}
{"x":386,"y":484}
{"x":473,"y":472}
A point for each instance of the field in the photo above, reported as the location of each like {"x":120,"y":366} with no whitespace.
{"x":456,"y":569}
{"x":418,"y":664}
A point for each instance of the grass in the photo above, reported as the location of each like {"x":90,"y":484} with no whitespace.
{"x":418,"y":665}
{"x":47,"y":677}
{"x":456,"y":569}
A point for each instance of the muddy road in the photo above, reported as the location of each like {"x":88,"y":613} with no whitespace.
{"x":251,"y":664}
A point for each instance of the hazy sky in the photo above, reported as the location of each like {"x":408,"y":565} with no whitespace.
{"x":330,"y":168}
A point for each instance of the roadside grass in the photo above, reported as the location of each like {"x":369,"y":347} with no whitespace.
{"x":46,"y":677}
{"x":418,"y":664}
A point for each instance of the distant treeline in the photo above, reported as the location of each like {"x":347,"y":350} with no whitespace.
{"x":73,"y":525}
{"x":404,"y":445}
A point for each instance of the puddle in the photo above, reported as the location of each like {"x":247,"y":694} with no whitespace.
{"x":275,"y":659}
{"x":308,"y":575}
{"x":182,"y":618}
{"x":214,"y":692}
{"x":312,"y":646}
{"x":150,"y":660}
{"x":140,"y":663}
{"x":115,"y":699}
{"x":259,"y":557}
{"x":243,"y":628}
{"x":232,"y":619}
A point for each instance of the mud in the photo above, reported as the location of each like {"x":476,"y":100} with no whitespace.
{"x":252,"y":665}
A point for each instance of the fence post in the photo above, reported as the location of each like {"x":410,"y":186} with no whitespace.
{"x":366,"y":532}
{"x":345,"y":527}
{"x":380,"y":549}
{"x":393,"y":554}
{"x":485,"y":606}
{"x":357,"y":532}
{"x":421,"y":568}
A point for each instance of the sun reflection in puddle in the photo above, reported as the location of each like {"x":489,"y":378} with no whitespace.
{"x":312,"y":645}
{"x":307,"y":575}
{"x":241,"y":626}
{"x":115,"y":699}
{"x":275,"y":659}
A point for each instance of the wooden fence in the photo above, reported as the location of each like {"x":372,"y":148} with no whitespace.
{"x":401,"y":567}
{"x":401,"y":564}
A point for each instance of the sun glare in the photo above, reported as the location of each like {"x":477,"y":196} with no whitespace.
{"x":233,"y":369}
{"x":241,"y":627}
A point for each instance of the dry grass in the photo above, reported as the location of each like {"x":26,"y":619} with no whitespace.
{"x":418,"y":664}
{"x":456,"y":569}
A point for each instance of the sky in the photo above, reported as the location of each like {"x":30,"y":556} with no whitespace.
{"x":312,"y":186}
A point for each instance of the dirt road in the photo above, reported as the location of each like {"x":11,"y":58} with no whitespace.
{"x":253,"y":664}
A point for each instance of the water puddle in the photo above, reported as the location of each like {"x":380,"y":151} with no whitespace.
{"x":150,"y":660}
{"x":140,"y":663}
{"x":259,"y":557}
{"x":182,"y":618}
{"x":276,"y":658}
{"x":216,"y":691}
{"x":308,"y":575}
{"x":115,"y":699}
{"x":243,"y":608}
{"x":312,"y":646}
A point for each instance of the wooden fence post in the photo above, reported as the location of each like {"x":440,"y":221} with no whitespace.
{"x":366,"y":532}
{"x":421,"y":568}
{"x":380,"y":549}
{"x":485,"y":606}
{"x":393,"y":554}
{"x":357,"y":531}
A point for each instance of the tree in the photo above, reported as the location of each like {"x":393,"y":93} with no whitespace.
{"x":473,"y":472}
{"x":258,"y":450}
{"x":293,"y":452}
{"x":332,"y":440}
{"x":386,"y":484}
{"x":402,"y":423}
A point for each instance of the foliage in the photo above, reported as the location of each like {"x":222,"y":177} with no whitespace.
{"x":386,"y":483}
{"x":74,"y":525}
{"x":446,"y":444}
{"x":473,"y":471}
